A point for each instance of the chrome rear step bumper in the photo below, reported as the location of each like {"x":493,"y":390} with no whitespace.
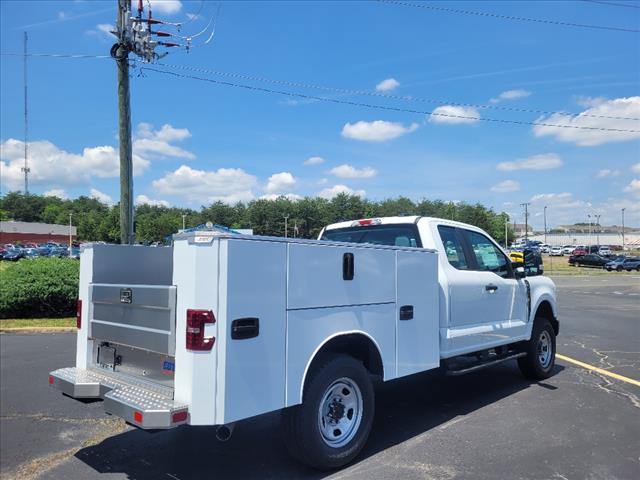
{"x":143,"y":405}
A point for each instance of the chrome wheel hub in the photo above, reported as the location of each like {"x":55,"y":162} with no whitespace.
{"x":340,"y":412}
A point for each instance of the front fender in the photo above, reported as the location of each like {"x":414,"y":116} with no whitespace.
{"x":543,"y":299}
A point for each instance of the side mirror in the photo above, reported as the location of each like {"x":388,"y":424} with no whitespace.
{"x":520,"y":273}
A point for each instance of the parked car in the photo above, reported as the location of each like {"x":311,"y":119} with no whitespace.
{"x":590,"y":260}
{"x":604,"y":250}
{"x":568,"y":249}
{"x":579,"y":251}
{"x":628,"y":264}
{"x":13,"y":255}
{"x":544,"y":248}
{"x":556,"y":252}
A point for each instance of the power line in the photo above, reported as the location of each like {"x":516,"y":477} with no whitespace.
{"x":53,"y":55}
{"x":507,"y":17}
{"x":382,"y":107}
{"x":385,"y":95}
{"x":613,"y":4}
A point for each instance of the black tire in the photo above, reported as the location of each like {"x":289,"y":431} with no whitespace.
{"x":532,"y":365}
{"x":303,"y":436}
{"x":618,"y":268}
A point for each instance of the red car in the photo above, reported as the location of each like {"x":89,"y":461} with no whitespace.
{"x":579,"y":251}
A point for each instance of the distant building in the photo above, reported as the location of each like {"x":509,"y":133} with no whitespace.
{"x":12,"y":232}
{"x":519,"y":229}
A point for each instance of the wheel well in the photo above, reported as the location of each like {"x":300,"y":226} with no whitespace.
{"x":357,"y":345}
{"x":545,"y":311}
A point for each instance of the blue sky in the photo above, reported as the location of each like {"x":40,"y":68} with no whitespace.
{"x":197,"y":141}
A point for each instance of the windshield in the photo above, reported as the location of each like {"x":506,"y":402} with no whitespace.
{"x":399,"y":235}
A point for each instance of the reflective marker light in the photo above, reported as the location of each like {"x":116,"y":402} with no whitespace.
{"x":51,"y":380}
{"x":79,"y":314}
{"x":179,"y":417}
{"x":195,"y":339}
{"x":137,"y":417}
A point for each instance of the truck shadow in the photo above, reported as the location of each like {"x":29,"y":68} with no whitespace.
{"x":405,"y":408}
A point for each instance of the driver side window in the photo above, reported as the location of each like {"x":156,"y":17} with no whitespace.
{"x":488,"y":256}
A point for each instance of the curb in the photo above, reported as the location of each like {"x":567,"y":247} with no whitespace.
{"x":38,"y":330}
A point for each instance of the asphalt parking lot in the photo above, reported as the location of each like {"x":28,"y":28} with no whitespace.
{"x":492,"y":424}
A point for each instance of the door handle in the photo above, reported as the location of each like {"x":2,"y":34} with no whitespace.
{"x":406,"y":312}
{"x":244,"y":328}
{"x":491,"y":288}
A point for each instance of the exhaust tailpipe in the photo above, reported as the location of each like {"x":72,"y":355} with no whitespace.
{"x":224,"y":432}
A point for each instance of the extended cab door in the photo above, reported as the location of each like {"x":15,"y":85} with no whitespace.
{"x":487,"y":305}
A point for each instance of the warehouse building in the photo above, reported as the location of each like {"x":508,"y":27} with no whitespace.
{"x":22,"y":232}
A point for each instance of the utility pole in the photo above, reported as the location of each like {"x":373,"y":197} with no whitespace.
{"x":623,"y":230}
{"x":26,"y":168}
{"x":589,"y":245}
{"x":598,"y":231}
{"x":286,"y":225}
{"x":545,"y":224}
{"x":506,"y":232}
{"x":526,"y":221}
{"x":70,"y":236}
{"x":120,"y":52}
{"x":184,"y":216}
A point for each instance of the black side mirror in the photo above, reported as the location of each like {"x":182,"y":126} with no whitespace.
{"x":519,"y":272}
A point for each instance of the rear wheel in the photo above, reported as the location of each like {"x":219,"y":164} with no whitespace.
{"x":331,"y":426}
{"x":541,"y":351}
{"x":619,"y":268}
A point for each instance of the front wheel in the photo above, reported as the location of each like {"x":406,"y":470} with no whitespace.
{"x":332,"y":425}
{"x":540,"y":350}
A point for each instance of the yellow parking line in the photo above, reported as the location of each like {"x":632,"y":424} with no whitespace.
{"x":599,"y":370}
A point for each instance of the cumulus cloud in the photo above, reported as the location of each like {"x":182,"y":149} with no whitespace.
{"x":510,"y":95}
{"x":635,"y":168}
{"x":100,"y":196}
{"x":56,"y":192}
{"x":606,"y":172}
{"x":376,"y":131}
{"x":329,"y":193}
{"x":103,"y":31}
{"x":53,"y":166}
{"x":453,"y":114}
{"x":280,"y":182}
{"x":633,"y":187}
{"x":506,"y":186}
{"x":144,"y":200}
{"x":229,"y":185}
{"x":167,"y":7}
{"x":158,"y":142}
{"x":544,"y":161}
{"x":347,"y":171}
{"x":387,"y":85}
{"x":313,"y":161}
{"x":620,"y":107}
{"x":274,"y":196}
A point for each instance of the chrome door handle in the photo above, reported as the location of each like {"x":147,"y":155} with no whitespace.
{"x":491,"y":288}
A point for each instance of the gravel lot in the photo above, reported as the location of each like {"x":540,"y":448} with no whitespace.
{"x":489,"y":425}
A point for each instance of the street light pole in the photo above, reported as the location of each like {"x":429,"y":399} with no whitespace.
{"x":623,"y":230}
{"x":598,"y":231}
{"x":506,"y":232}
{"x":589,"y":237}
{"x":545,"y":224}
{"x":183,"y":221}
{"x":286,"y":226}
{"x":70,"y":236}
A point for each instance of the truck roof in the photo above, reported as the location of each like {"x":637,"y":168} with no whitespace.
{"x":396,"y":220}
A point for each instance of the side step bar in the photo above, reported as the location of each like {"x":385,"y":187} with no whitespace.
{"x":480,"y":366}
{"x":138,"y":403}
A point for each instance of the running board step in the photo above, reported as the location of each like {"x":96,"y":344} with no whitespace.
{"x":143,"y":405}
{"x":480,"y":366}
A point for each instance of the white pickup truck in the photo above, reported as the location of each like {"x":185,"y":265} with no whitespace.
{"x":222,"y":327}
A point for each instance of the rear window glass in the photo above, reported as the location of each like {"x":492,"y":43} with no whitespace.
{"x":396,"y":235}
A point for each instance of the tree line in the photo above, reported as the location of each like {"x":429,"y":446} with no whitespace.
{"x":97,"y":221}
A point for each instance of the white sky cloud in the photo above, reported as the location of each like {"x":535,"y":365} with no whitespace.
{"x":54,"y":167}
{"x":100,"y":196}
{"x":606,"y":172}
{"x":635,"y":168}
{"x":144,"y":200}
{"x":229,"y":185}
{"x":167,"y":7}
{"x":313,"y":161}
{"x":103,"y":31}
{"x":633,"y":187}
{"x":329,"y":193}
{"x":274,"y":196}
{"x":348,"y":171}
{"x":158,"y":142}
{"x":376,"y":131}
{"x":280,"y":182}
{"x":620,"y":107}
{"x":453,"y":114}
{"x":510,"y":95}
{"x":506,"y":186}
{"x":387,"y":85}
{"x":56,"y":192}
{"x":543,"y":161}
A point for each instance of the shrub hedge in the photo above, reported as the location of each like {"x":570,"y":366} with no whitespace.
{"x":40,"y":287}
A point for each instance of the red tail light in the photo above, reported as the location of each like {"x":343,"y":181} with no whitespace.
{"x":196,"y":320}
{"x":79,"y":314}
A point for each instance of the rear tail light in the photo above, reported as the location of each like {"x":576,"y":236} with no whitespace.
{"x":79,"y":314}
{"x":196,"y":320}
{"x":137,"y":417}
{"x":366,"y":221}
